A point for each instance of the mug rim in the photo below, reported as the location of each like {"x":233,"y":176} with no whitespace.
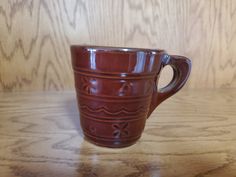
{"x":116,"y":49}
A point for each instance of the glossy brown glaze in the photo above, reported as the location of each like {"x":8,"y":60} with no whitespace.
{"x":117,"y":90}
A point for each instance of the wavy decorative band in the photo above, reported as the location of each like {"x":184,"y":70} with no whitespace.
{"x":105,"y":110}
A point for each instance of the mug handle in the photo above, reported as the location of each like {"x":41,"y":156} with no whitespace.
{"x":181,"y":67}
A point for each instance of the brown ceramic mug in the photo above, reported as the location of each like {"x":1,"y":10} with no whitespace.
{"x":117,"y":90}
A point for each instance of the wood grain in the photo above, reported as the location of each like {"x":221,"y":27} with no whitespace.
{"x":191,"y":135}
{"x":35,"y":36}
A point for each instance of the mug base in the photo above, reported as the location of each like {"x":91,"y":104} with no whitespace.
{"x":111,"y":144}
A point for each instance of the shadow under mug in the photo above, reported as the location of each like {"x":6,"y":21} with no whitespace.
{"x":117,"y":90}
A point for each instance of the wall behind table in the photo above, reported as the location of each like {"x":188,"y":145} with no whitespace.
{"x":35,"y":36}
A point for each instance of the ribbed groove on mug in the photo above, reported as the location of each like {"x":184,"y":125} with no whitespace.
{"x":113,"y":73}
{"x":111,"y":139}
{"x":104,"y":120}
{"x":123,"y":76}
{"x":112,"y":98}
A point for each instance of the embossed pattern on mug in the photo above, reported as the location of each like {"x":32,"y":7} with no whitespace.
{"x":121,"y":129}
{"x":117,"y":87}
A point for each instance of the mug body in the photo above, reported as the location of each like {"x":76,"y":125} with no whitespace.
{"x":114,"y":89}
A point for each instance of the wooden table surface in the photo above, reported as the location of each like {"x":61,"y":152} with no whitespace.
{"x":190,"y":134}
